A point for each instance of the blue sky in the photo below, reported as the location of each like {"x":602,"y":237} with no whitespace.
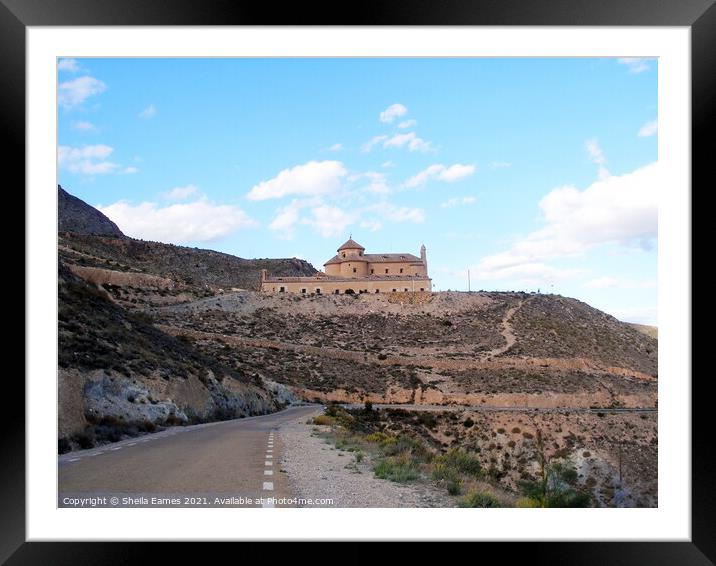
{"x":530,"y":173}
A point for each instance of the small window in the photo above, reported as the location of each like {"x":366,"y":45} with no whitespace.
{"x":354,"y":270}
{"x":282,"y":289}
{"x":344,"y":254}
{"x":318,"y":291}
{"x":372,"y":271}
{"x":303,"y":290}
{"x":422,"y":288}
{"x":360,"y":253}
{"x":386,"y":271}
{"x":377,"y":290}
{"x":336,"y":292}
{"x":401,"y":270}
{"x":394,"y":290}
{"x":406,"y":289}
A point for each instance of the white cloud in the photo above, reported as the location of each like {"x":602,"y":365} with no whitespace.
{"x":286,"y":219}
{"x":407,"y":123}
{"x":84,"y":126}
{"x":387,"y":164}
{"x":377,"y":182}
{"x":499,"y":165}
{"x":68,"y":65}
{"x":392,"y":112}
{"x":371,"y":225}
{"x":329,"y":221}
{"x":456,"y":201}
{"x":649,"y":129}
{"x":200,"y":221}
{"x":90,"y":160}
{"x":87,"y":160}
{"x":181,"y":193}
{"x":409,"y":139}
{"x":75,"y":92}
{"x":336,"y":147}
{"x":375,"y":140}
{"x":597,"y":156}
{"x":395,"y":213}
{"x":635,"y":64}
{"x":312,"y":178}
{"x":149,"y":112}
{"x":619,"y":210}
{"x":440,"y":172}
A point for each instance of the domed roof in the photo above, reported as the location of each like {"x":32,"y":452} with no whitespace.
{"x":351,"y":245}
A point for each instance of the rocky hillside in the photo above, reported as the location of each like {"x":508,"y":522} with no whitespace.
{"x":501,"y":349}
{"x":119,"y":375}
{"x":88,"y":238}
{"x":76,"y":216}
{"x":188,"y":266}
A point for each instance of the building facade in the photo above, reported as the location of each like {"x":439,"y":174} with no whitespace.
{"x":352,"y":270}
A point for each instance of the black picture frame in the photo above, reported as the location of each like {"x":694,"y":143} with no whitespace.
{"x":699,"y":15}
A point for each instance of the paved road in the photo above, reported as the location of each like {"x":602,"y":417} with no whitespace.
{"x":229,"y":463}
{"x":491,"y":409}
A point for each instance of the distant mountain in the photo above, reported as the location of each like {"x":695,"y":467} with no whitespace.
{"x":88,"y":238}
{"x":75,"y":215}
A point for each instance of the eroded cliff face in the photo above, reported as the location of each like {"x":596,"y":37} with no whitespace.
{"x":98,"y":406}
{"x":120,"y":376}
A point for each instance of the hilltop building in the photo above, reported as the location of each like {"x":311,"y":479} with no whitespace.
{"x":352,"y":270}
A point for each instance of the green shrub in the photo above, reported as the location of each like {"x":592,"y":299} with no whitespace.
{"x":557,"y":487}
{"x":461,"y":462}
{"x":400,"y":469}
{"x":442,"y":472}
{"x":380,"y":438}
{"x":407,"y":445}
{"x":332,"y":409}
{"x":323,"y":420}
{"x":480,"y":499}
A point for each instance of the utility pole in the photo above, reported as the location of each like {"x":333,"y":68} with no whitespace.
{"x":468,"y":280}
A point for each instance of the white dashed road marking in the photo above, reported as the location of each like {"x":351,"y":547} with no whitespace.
{"x":116,"y":448}
{"x":74,"y":460}
{"x":268,"y":463}
{"x":268,"y":472}
{"x":268,"y":486}
{"x":267,"y":503}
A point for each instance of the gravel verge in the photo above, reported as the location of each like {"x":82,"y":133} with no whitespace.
{"x":317,"y":470}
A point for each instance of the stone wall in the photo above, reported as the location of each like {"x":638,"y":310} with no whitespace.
{"x":329,"y":286}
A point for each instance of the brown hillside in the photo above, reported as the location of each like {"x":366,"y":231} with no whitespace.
{"x":119,"y":375}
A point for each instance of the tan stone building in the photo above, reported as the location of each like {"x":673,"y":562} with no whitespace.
{"x":352,"y":270}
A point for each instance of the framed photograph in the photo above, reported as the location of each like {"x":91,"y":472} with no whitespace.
{"x":400,"y":278}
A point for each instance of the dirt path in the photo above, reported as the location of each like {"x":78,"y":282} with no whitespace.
{"x":507,"y":332}
{"x":544,"y":364}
